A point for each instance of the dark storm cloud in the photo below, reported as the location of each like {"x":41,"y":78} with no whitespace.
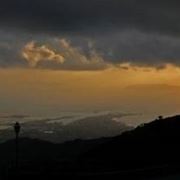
{"x":79,"y":15}
{"x":73,"y":52}
{"x":140,"y":32}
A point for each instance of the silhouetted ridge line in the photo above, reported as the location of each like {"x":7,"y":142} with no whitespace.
{"x":149,"y":149}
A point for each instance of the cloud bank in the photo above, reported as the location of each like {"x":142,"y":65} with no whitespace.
{"x":99,"y":33}
{"x":160,"y":16}
{"x":65,"y":57}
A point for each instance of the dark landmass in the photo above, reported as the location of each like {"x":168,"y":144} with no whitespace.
{"x":150,"y":151}
{"x":55,"y":131}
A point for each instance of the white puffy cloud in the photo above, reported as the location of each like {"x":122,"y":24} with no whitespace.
{"x":65,"y":57}
{"x":34,"y":54}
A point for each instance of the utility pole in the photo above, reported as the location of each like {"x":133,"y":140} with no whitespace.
{"x":17,"y":128}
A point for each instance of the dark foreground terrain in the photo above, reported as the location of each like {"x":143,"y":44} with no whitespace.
{"x":150,"y":151}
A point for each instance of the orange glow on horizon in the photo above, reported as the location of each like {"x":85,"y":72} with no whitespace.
{"x":68,"y":89}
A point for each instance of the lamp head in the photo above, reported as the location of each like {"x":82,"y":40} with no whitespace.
{"x":17,"y":128}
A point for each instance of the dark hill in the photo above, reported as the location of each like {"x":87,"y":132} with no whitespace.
{"x":39,"y":150}
{"x":53,"y":130}
{"x":156,"y":144}
{"x":150,"y":149}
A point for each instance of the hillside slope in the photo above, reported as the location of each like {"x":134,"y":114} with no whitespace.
{"x":153,"y":144}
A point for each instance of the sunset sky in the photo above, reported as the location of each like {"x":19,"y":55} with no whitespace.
{"x":90,"y":55}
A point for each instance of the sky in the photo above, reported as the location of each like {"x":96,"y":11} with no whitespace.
{"x":98,"y":55}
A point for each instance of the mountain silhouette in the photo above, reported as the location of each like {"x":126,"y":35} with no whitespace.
{"x":156,"y":144}
{"x":149,"y":150}
{"x":91,"y":127}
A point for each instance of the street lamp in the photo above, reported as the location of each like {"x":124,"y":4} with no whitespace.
{"x":17,"y":128}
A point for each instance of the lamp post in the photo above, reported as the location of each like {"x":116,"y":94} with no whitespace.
{"x":17,"y":128}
